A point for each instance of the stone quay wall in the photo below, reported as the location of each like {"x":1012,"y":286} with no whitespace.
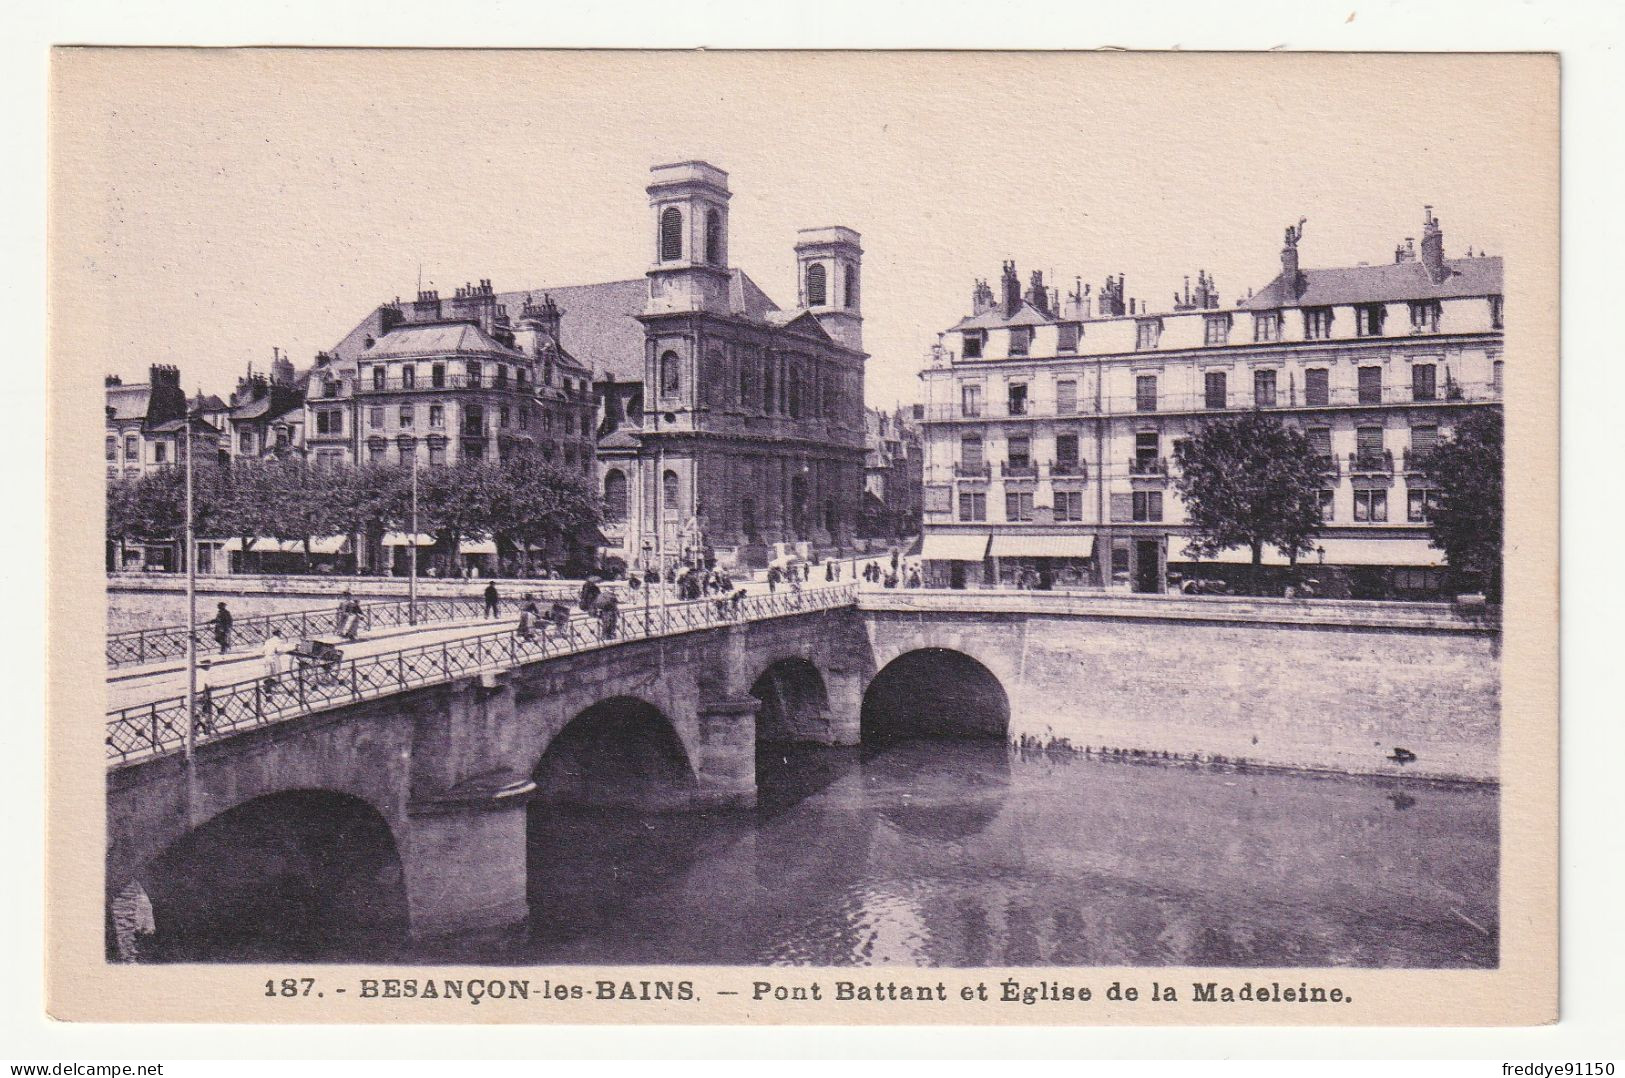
{"x":1314,"y":685}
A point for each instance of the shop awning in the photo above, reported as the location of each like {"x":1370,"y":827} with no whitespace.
{"x":402,"y":539}
{"x":954,"y":547}
{"x":328,"y":544}
{"x":477,"y":546}
{"x":1043,"y":546}
{"x":1417,"y":553}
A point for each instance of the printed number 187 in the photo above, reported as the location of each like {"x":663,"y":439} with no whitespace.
{"x":290,"y":986}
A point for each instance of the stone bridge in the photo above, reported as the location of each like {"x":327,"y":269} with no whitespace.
{"x":411,"y":812}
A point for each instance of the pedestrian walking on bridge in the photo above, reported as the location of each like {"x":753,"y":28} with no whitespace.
{"x":491,"y":600}
{"x":222,"y":627}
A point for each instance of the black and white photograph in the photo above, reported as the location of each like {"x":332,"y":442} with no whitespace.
{"x":811,"y":528}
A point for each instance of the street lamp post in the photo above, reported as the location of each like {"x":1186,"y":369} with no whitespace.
{"x":412,"y":548}
{"x":191,"y":604}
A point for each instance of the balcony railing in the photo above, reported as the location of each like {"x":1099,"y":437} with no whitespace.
{"x":1148,"y":466}
{"x":1018,"y":471}
{"x":972,"y":471}
{"x":1371,"y":462}
{"x":450,"y":381}
{"x":1069,"y":469}
{"x":1417,"y":460}
{"x":1328,"y":464}
{"x":1287,"y":398}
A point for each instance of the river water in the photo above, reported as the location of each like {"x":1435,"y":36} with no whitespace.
{"x":965,"y":853}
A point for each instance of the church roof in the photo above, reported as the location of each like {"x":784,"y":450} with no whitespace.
{"x":599,"y":327}
{"x":1389,"y":283}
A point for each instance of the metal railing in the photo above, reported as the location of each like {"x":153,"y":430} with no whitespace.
{"x":1371,"y":462}
{"x":1148,"y":466}
{"x":154,"y":729}
{"x":137,"y":647}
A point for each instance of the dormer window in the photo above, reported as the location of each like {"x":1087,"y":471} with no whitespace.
{"x":1021,"y":340}
{"x":1368,"y":319}
{"x":1216,"y":329}
{"x":1266,"y":327}
{"x":380,"y":377}
{"x":1066,"y":336}
{"x":1317,"y":323}
{"x":1147,"y":333}
{"x":972,"y":342}
{"x":1425,"y":316}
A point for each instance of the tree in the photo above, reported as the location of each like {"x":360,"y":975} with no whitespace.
{"x":1248,"y":480}
{"x":1466,"y":519}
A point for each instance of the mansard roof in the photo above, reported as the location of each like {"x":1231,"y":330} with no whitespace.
{"x":438,"y":339}
{"x":1393,"y":282}
{"x":1026,"y":315}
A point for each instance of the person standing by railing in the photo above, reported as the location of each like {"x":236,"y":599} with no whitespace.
{"x":491,"y":600}
{"x":221,"y":622}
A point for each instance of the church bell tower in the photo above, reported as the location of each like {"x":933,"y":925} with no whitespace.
{"x":688,"y":203}
{"x":829,"y":265}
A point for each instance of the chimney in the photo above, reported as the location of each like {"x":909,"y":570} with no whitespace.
{"x":1012,"y":290}
{"x":981,"y":297}
{"x":1291,"y":279}
{"x":1037,"y":294}
{"x":426,"y":308}
{"x":113,"y":380}
{"x":1433,"y":247}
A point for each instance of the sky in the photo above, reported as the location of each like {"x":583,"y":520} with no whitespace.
{"x":218,"y":204}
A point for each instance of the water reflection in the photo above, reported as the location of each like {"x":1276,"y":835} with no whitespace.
{"x":961,"y":853}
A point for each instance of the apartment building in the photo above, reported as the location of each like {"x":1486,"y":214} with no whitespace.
{"x":1050,"y":423}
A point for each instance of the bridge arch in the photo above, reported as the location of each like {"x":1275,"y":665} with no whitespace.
{"x":299,"y":874}
{"x":934,"y":692}
{"x":795,"y":703}
{"x":619,"y":752}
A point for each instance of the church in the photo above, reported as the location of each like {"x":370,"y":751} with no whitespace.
{"x":727,"y":425}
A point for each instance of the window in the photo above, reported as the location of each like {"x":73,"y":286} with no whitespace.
{"x":972,"y":342}
{"x":376,"y":450}
{"x":1425,"y":316}
{"x":1368,"y":443}
{"x":437,"y":376}
{"x":132,"y":447}
{"x":1066,"y":397}
{"x":406,"y":416}
{"x":1267,"y":326}
{"x":1317,"y":323}
{"x":112,"y":444}
{"x":1495,"y":377}
{"x":1368,"y":319}
{"x":1317,"y":391}
{"x":406,"y":448}
{"x":1370,"y":506}
{"x":409,"y":376}
{"x":1216,"y":329}
{"x":1145,"y":393}
{"x":1325,"y":501}
{"x":1320,"y":443}
{"x":380,"y":377}
{"x":502,"y":376}
{"x":1264,"y":389}
{"x":474,"y":372}
{"x":1018,"y":506}
{"x":1424,"y":382}
{"x":972,"y":506}
{"x":851,"y":293}
{"x":523,"y":377}
{"x":474,"y":420}
{"x":1066,"y":451}
{"x":1148,"y":506}
{"x":671,"y":374}
{"x":375,"y":418}
{"x":671,"y":234}
{"x":817,"y":285}
{"x":1017,"y":398}
{"x":970,"y":401}
{"x":1418,"y":504}
{"x":1021,"y":340}
{"x":970,"y":451}
{"x":669,"y":490}
{"x":769,"y":398}
{"x":1147,"y":448}
{"x":1370,"y":385}
{"x":1019,"y":452}
{"x":1147,"y":332}
{"x":437,"y":454}
{"x":713,"y":237}
{"x":1495,"y":312}
{"x":160,"y":452}
{"x":504,"y":417}
{"x":1067,"y":335}
{"x":1424,"y":438}
{"x":437,"y":416}
{"x":615,"y":494}
{"x":329,"y":421}
{"x":1068,"y":505}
